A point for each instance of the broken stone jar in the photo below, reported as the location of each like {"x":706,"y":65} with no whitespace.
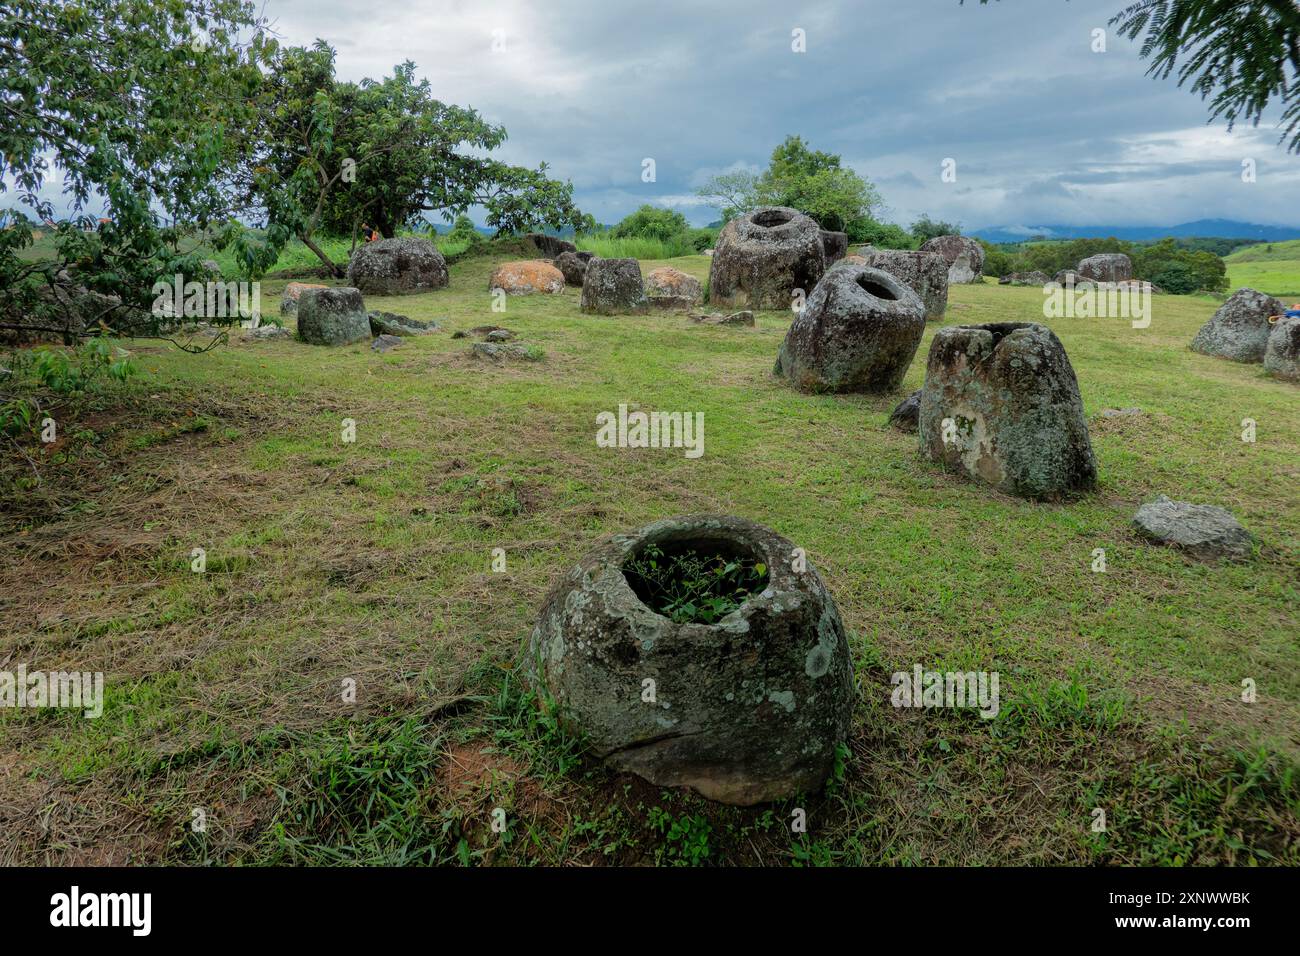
{"x":745,"y":710}
{"x":1001,"y":403}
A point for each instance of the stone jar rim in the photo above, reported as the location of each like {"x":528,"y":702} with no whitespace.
{"x":705,"y":530}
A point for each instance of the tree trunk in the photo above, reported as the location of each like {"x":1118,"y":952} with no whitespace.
{"x":335,"y":270}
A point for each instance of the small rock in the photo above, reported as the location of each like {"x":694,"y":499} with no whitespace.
{"x":1206,"y":531}
{"x":743,"y":317}
{"x":497,"y":352}
{"x":907,"y":416}
{"x":1119,"y":412}
{"x":269,"y":332}
{"x":480,"y":331}
{"x":500,"y":335}
{"x":390,"y":323}
{"x":385,"y":343}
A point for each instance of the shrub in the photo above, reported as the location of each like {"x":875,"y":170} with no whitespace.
{"x":883,"y":235}
{"x":652,"y":222}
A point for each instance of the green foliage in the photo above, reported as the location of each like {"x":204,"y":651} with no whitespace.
{"x":1179,"y":270}
{"x":686,"y":838}
{"x":734,"y":192}
{"x":463,"y":232}
{"x":690,"y":587}
{"x":815,"y":183}
{"x":925,"y":229}
{"x":1245,"y":54}
{"x":1242,"y":55}
{"x":812,"y":181}
{"x":330,"y":156}
{"x":134,"y":113}
{"x":81,"y":370}
{"x":883,"y":235}
{"x":652,"y":222}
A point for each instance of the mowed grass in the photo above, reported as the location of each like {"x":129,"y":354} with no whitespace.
{"x":367,"y":566}
{"x":1271,"y":267}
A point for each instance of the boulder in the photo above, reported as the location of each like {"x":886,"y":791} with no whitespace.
{"x":1282,"y":353}
{"x":925,"y":273}
{"x":292,"y":292}
{"x":965,"y":257}
{"x":1205,"y":531}
{"x":1067,"y":277}
{"x":1001,"y":404}
{"x":1033,"y":277}
{"x":1106,"y":267}
{"x":907,"y":414}
{"x":858,"y":332}
{"x":572,"y":266}
{"x":855,"y":260}
{"x":390,"y":323}
{"x":762,"y":257}
{"x":332,"y":317}
{"x":399,"y":266}
{"x":1240,"y":329}
{"x":668,"y":288}
{"x":745,"y":710}
{"x":549,"y":247}
{"x":835,"y":245}
{"x":527,"y":277}
{"x":614,"y":287}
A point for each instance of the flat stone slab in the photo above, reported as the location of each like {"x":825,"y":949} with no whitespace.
{"x":504,"y":352}
{"x":390,"y":323}
{"x":1206,"y":531}
{"x":743,"y":317}
{"x":385,"y":343}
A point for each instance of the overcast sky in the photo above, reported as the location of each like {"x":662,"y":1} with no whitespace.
{"x":1041,"y":128}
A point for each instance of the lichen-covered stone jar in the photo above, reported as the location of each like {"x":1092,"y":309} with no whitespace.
{"x":745,"y":710}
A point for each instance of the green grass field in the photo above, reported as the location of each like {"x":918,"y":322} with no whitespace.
{"x":1273,"y":268}
{"x":330,"y":563}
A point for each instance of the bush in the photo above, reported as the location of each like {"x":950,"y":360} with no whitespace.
{"x":703,"y":238}
{"x":884,"y":235}
{"x":652,"y":222}
{"x":1179,"y":270}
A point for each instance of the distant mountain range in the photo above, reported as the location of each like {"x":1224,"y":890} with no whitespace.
{"x":1201,"y":228}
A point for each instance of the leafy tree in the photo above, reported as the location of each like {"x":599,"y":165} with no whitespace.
{"x":464,"y":230}
{"x":815,"y":183}
{"x":925,"y":229}
{"x":734,"y":192}
{"x":1180,"y":270}
{"x":133,"y":103}
{"x":330,"y":156}
{"x":652,"y":222}
{"x":1242,"y":55}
